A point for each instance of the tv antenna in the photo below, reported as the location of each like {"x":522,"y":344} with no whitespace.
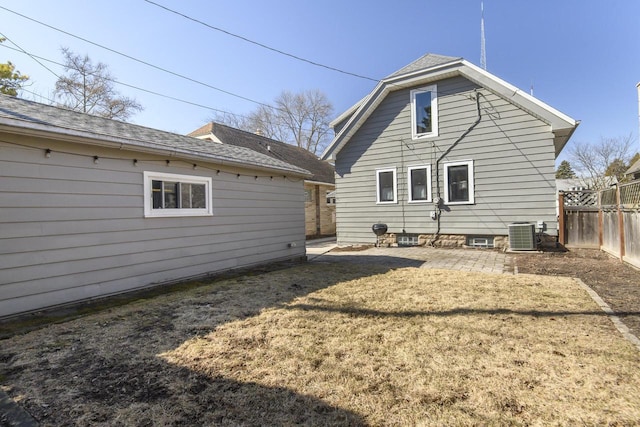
{"x":483,"y":53}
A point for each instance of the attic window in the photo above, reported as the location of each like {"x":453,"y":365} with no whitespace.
{"x":424,"y":112}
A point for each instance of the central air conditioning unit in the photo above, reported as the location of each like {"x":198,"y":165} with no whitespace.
{"x":522,"y":236}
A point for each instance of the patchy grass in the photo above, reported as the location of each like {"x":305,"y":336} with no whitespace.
{"x":335,"y":344}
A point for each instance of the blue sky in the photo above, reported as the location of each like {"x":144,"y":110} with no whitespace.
{"x":582,"y":56}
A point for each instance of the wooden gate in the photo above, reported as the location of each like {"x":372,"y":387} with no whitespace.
{"x":579,"y":219}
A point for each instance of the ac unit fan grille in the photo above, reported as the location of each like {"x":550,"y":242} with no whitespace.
{"x":522,"y":237}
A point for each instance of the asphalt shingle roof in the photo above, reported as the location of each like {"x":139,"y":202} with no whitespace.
{"x":321,"y":170}
{"x":25,"y":114}
{"x":424,"y":62}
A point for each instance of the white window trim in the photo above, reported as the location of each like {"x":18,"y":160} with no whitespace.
{"x":395,"y":186}
{"x":428,"y":168}
{"x":149,"y":212}
{"x":471,"y":183}
{"x":434,"y":112}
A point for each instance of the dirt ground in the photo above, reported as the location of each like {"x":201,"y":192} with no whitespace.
{"x":618,"y":284}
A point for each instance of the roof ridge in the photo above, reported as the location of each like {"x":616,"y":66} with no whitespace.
{"x":426,"y":61}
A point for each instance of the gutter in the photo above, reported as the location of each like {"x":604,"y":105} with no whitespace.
{"x":44,"y":131}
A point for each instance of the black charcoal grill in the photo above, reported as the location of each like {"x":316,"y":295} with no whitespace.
{"x":379,"y":230}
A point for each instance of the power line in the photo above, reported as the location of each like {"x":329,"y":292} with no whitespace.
{"x":36,"y":58}
{"x":19,"y":49}
{"x":138,"y":60}
{"x":281,"y":52}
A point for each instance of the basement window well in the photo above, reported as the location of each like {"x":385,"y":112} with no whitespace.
{"x":480,"y":242}
{"x":405,"y":240}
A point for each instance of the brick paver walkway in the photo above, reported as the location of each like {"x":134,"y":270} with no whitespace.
{"x":478,"y":260}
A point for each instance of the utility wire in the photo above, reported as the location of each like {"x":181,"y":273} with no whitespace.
{"x":317,"y":64}
{"x":36,"y":57}
{"x":19,"y":49}
{"x":139,"y":60}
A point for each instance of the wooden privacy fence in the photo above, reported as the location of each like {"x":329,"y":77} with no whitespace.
{"x":608,"y":220}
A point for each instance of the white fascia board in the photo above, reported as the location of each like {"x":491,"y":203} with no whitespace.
{"x":326,"y":184}
{"x":46,"y":131}
{"x":482,"y":78}
{"x":371,"y":101}
{"x":345,"y":115}
{"x":555,"y":118}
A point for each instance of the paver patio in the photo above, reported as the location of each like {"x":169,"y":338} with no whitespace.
{"x":478,"y":260}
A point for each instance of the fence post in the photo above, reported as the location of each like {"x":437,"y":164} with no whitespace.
{"x":620,"y":222}
{"x":561,"y":223}
{"x":600,"y":221}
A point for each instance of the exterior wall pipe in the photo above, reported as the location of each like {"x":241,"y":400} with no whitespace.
{"x":460,"y":138}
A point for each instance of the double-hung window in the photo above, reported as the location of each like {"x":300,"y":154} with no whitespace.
{"x":168,"y":195}
{"x":458,"y":182}
{"x":424,"y":112}
{"x":419,"y":184}
{"x":386,"y":186}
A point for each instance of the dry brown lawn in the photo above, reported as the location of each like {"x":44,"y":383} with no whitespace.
{"x":335,"y":344}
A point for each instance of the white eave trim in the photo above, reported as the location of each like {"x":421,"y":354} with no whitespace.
{"x":52,"y":132}
{"x":556,"y":119}
{"x":511,"y":92}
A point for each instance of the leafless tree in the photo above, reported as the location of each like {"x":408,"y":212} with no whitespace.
{"x":593,"y":160}
{"x":89,"y":88}
{"x":300,"y":119}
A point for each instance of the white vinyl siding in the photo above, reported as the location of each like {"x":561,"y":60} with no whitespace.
{"x":424,"y":112}
{"x":459,"y":183}
{"x":419,"y":184}
{"x":387,"y":186}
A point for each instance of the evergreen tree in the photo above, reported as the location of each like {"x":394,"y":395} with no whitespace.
{"x":564,"y":171}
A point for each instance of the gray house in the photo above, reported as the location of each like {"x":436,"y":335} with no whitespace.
{"x":445,"y":153}
{"x":91,"y":207}
{"x":634,"y":171}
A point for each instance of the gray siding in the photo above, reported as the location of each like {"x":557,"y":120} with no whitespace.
{"x":73,"y":230}
{"x":513,"y":156}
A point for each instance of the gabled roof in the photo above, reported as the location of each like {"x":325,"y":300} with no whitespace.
{"x":431,"y":68}
{"x":226,"y":135}
{"x":635,"y":168}
{"x":20,"y":116}
{"x":429,"y":60}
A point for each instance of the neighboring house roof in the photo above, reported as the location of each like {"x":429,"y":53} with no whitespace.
{"x":635,"y":168}
{"x":32,"y":118}
{"x":431,"y":68}
{"x":225,"y":135}
{"x":573,"y":184}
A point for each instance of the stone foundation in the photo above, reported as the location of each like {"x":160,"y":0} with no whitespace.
{"x":457,"y":241}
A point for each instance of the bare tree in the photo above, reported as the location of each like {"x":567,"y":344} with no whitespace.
{"x":593,"y":160}
{"x":89,"y":88}
{"x":300,"y":119}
